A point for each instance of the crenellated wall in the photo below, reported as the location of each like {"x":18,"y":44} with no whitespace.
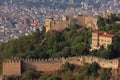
{"x":104,"y":63}
{"x":12,"y":68}
{"x":45,"y":65}
{"x":15,"y":66}
{"x":67,"y":22}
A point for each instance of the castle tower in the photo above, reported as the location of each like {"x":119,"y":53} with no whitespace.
{"x":48,"y":24}
{"x":12,"y":68}
{"x":64,"y":18}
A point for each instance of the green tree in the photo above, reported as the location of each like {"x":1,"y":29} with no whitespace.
{"x":67,"y":75}
{"x":43,"y":77}
{"x":68,"y":67}
{"x":53,"y":77}
{"x":106,"y":54}
{"x":28,"y":75}
{"x":105,"y":76}
{"x":79,"y":77}
{"x":90,"y":69}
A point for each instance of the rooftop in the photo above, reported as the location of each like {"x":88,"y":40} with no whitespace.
{"x":102,"y":34}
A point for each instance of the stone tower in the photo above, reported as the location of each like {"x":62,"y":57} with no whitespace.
{"x":64,"y":18}
{"x":48,"y":24}
{"x":12,"y":67}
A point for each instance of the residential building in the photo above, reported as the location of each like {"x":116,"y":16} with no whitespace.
{"x":101,"y":39}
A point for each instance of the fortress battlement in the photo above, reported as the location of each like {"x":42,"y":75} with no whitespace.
{"x":69,"y":21}
{"x":62,"y":59}
{"x":42,"y":60}
{"x":11,"y":61}
{"x":53,"y":64}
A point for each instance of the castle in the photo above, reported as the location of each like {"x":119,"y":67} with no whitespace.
{"x":67,"y":22}
{"x":15,"y":66}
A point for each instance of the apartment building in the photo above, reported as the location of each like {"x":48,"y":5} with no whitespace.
{"x":101,"y":39}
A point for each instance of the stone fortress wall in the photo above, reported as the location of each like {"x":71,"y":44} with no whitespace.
{"x":14,"y":67}
{"x":68,"y":21}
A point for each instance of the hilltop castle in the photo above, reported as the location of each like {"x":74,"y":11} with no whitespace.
{"x":67,"y":22}
{"x":15,"y":67}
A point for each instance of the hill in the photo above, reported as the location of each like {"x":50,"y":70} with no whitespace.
{"x":74,"y":41}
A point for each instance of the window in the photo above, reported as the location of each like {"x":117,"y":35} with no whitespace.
{"x":108,"y":41}
{"x":102,"y":40}
{"x":94,"y":39}
{"x":94,"y":35}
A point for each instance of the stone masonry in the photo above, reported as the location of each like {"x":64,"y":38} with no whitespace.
{"x":14,"y":67}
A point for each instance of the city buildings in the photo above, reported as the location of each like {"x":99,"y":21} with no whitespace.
{"x":17,"y":17}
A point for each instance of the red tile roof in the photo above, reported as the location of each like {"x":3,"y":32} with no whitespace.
{"x":107,"y":35}
{"x":104,"y":34}
{"x":97,"y":32}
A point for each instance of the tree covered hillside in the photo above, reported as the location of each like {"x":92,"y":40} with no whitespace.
{"x":75,"y":41}
{"x":110,"y":24}
{"x":69,"y":42}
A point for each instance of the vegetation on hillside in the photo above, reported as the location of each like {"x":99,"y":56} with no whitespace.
{"x":74,"y":41}
{"x":70,"y":42}
{"x":110,"y":24}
